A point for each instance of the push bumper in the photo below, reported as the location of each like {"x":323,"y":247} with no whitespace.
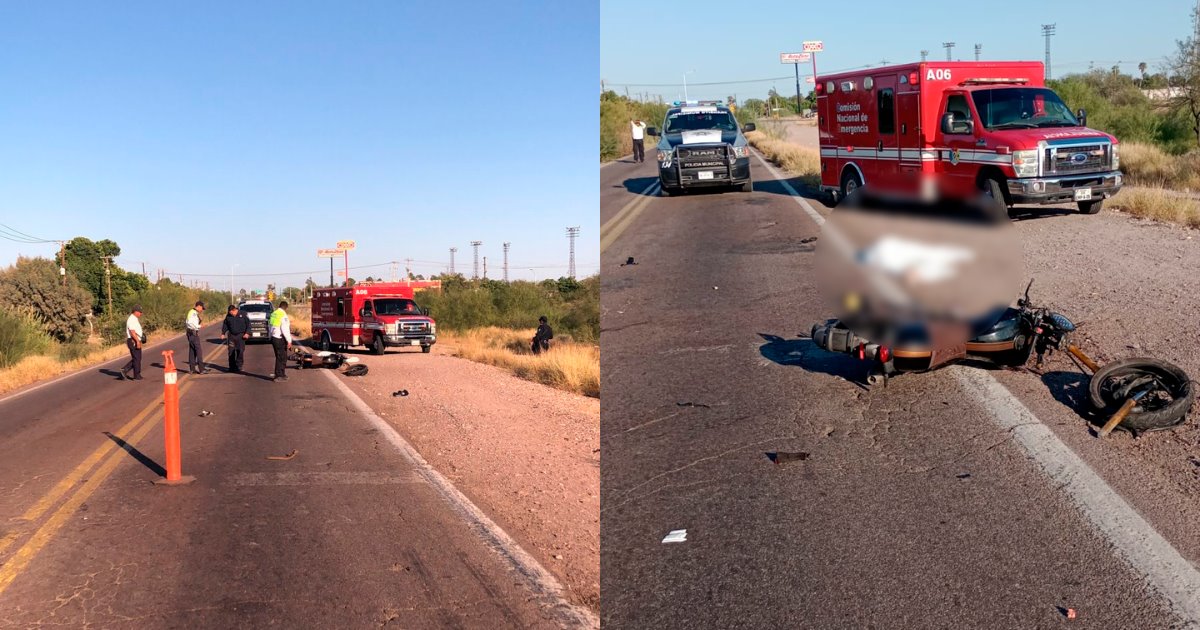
{"x":1045,"y":190}
{"x":405,"y":340}
{"x":670,"y":175}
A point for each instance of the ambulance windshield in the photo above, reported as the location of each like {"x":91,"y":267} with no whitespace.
{"x":695,"y":121}
{"x":1022,"y":108}
{"x":396,"y":306}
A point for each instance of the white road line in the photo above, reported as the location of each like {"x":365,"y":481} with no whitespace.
{"x":1135,"y":540}
{"x":603,"y":164}
{"x":536,"y":578}
{"x":1165,"y":570}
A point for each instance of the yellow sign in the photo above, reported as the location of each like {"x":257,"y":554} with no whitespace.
{"x":345,"y":245}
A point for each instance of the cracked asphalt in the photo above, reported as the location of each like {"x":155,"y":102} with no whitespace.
{"x":344,"y":535}
{"x":912,"y":509}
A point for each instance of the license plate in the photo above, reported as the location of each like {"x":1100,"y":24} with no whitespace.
{"x":256,"y":335}
{"x":414,"y":342}
{"x":1083,"y":194}
{"x":704,"y":174}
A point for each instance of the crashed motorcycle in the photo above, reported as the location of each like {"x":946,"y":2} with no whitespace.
{"x":1138,"y":394}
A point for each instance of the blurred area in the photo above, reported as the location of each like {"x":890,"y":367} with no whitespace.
{"x":909,"y":272}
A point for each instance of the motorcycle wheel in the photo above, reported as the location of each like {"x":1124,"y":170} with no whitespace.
{"x":1165,"y":407}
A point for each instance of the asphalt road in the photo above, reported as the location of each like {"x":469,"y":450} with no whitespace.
{"x":934,"y":503}
{"x":348,"y":533}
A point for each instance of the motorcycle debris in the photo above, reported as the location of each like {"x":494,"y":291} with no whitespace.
{"x":963,"y":475}
{"x":808,"y":240}
{"x":692,"y":404}
{"x":628,"y":261}
{"x":676,"y":536}
{"x":282,"y":457}
{"x":403,"y":392}
{"x":356,"y":370}
{"x":205,"y":413}
{"x":782,"y":457}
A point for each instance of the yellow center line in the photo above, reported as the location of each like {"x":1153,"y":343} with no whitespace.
{"x":619,"y":223}
{"x":55,"y":493}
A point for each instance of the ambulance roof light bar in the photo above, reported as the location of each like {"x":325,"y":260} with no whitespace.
{"x":695,"y":103}
{"x":989,"y":81}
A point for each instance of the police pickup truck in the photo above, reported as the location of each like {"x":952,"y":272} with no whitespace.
{"x":258,"y":314}
{"x":700,"y":145}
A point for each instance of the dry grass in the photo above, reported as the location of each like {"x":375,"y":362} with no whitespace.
{"x":1159,"y":204}
{"x":1148,"y":165}
{"x":567,"y":366}
{"x":301,"y":318}
{"x":41,"y":367}
{"x":798,"y":161}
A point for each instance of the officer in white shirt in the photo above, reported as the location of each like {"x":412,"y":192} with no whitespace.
{"x":195,"y":355}
{"x":638,"y":129}
{"x":133,"y":341}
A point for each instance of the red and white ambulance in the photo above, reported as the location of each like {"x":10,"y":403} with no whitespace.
{"x":376,"y":315}
{"x":937,"y":129}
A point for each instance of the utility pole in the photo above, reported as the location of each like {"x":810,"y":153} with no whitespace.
{"x":1048,"y":32}
{"x":408,"y":269}
{"x":485,"y":267}
{"x":475,"y":268}
{"x":924,"y":54}
{"x":978,"y":49}
{"x":572,"y":234}
{"x":62,"y":261}
{"x":506,"y":261}
{"x":108,"y":281}
{"x":949,"y":46}
{"x":452,"y":250}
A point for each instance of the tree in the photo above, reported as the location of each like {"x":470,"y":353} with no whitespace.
{"x":1184,"y":67}
{"x":85,"y":260}
{"x":1142,"y":71}
{"x":32,"y":287}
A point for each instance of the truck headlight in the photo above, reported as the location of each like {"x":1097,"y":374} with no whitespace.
{"x":1025,"y":163}
{"x":1116,"y":156}
{"x":742,"y":151}
{"x":432,"y":329}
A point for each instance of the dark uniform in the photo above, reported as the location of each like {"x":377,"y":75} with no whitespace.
{"x":234,"y":328}
{"x":541,"y":340}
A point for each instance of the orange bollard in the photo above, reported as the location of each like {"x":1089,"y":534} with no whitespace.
{"x":171,"y":423}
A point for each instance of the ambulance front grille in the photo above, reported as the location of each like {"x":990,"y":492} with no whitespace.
{"x":1077,"y":159}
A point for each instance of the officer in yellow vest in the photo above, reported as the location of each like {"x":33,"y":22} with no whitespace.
{"x":281,"y":340}
{"x":195,"y":356}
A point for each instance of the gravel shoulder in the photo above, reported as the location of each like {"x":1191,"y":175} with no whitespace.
{"x":526,"y":454}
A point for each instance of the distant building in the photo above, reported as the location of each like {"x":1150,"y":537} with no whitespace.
{"x":1163,"y":94}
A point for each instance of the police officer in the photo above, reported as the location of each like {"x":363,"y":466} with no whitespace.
{"x":195,"y":355}
{"x":237,"y":328}
{"x":541,"y":340}
{"x":281,"y":340}
{"x":133,"y":340}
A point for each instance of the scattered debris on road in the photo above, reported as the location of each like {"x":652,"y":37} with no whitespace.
{"x":808,"y":240}
{"x":281,"y":457}
{"x":714,"y":287}
{"x":628,"y":261}
{"x":356,"y":370}
{"x":403,"y":392}
{"x":205,"y":413}
{"x":963,"y":475}
{"x":676,"y":536}
{"x":783,"y":457}
{"x":693,"y":404}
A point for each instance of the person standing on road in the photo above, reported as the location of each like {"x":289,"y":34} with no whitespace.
{"x":541,"y":340}
{"x":195,"y":354}
{"x":638,"y":128}
{"x":237,"y":328}
{"x":281,"y":340}
{"x":134,"y":338}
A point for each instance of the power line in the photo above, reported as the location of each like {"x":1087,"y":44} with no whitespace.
{"x":17,"y":236}
{"x":769,"y":80}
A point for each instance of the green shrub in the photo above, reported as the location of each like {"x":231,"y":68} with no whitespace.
{"x":20,"y":337}
{"x":72,"y":351}
{"x":571,"y":306}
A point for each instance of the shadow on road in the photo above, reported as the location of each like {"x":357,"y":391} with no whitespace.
{"x":636,"y":185}
{"x":138,"y":455}
{"x":114,"y":373}
{"x":1028,"y":213}
{"x":1070,"y":389}
{"x":805,"y":354}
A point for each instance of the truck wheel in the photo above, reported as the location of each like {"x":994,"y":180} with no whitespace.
{"x":668,"y":191}
{"x":377,"y":344}
{"x":850,"y":184}
{"x":1090,"y":207}
{"x":325,"y":344}
{"x":426,"y":349}
{"x":994,"y":195}
{"x":747,"y":186}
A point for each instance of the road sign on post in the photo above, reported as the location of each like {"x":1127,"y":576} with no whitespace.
{"x":345,"y":245}
{"x":328,"y":253}
{"x":795,"y":59}
{"x":813,"y":47}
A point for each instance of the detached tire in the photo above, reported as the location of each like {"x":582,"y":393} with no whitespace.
{"x":1172,"y":377}
{"x":1090,"y":207}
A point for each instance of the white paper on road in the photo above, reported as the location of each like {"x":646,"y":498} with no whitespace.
{"x":677,"y":535}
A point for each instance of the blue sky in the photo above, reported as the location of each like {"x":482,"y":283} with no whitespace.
{"x":735,"y":42}
{"x":203,"y":135}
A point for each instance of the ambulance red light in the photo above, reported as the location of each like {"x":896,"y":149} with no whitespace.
{"x":913,"y":78}
{"x":1004,"y":150}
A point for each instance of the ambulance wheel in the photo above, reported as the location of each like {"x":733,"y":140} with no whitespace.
{"x":850,"y":184}
{"x":994,"y":195}
{"x":426,"y":349}
{"x":377,"y":345}
{"x":1090,"y":207}
{"x":326,"y":343}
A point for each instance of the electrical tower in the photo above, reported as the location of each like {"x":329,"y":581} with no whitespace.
{"x":485,"y":267}
{"x":924,"y":54}
{"x":572,"y":234}
{"x":395,"y":268}
{"x":949,"y":46}
{"x":978,"y":49}
{"x":408,"y":274}
{"x":475,"y":269}
{"x":452,"y":250}
{"x":506,"y":261}
{"x":1048,"y":32}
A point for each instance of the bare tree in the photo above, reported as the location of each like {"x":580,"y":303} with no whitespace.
{"x":1185,"y":67}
